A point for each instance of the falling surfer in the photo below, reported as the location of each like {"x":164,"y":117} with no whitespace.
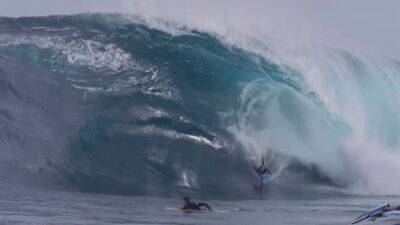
{"x":381,"y":211}
{"x":264,"y":174}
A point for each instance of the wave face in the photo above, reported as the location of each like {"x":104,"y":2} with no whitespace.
{"x":103,"y":103}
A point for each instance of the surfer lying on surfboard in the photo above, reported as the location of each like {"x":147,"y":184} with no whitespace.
{"x":188,"y":204}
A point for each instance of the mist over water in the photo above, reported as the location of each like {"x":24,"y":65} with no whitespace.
{"x":336,"y":108}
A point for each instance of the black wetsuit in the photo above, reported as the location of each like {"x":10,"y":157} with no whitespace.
{"x":195,"y":206}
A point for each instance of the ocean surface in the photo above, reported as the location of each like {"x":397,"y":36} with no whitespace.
{"x":110,"y":118}
{"x":20,"y":206}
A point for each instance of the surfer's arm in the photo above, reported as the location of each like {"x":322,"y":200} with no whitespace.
{"x":205,"y":205}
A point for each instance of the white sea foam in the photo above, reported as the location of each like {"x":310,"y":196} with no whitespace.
{"x":88,"y":53}
{"x":349,"y":128}
{"x":100,"y":58}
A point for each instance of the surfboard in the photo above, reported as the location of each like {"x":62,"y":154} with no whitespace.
{"x":189,"y":210}
{"x":374,"y":212}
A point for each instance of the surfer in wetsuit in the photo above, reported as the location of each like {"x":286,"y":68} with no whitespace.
{"x":188,"y":204}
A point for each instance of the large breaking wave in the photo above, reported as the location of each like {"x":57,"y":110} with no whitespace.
{"x":107,"y":103}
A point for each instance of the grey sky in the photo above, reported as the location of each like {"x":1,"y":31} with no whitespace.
{"x":370,"y":25}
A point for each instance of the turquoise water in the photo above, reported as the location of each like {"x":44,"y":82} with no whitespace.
{"x":129,"y":109}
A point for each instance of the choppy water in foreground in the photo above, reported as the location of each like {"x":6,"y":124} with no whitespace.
{"x":21,"y":206}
